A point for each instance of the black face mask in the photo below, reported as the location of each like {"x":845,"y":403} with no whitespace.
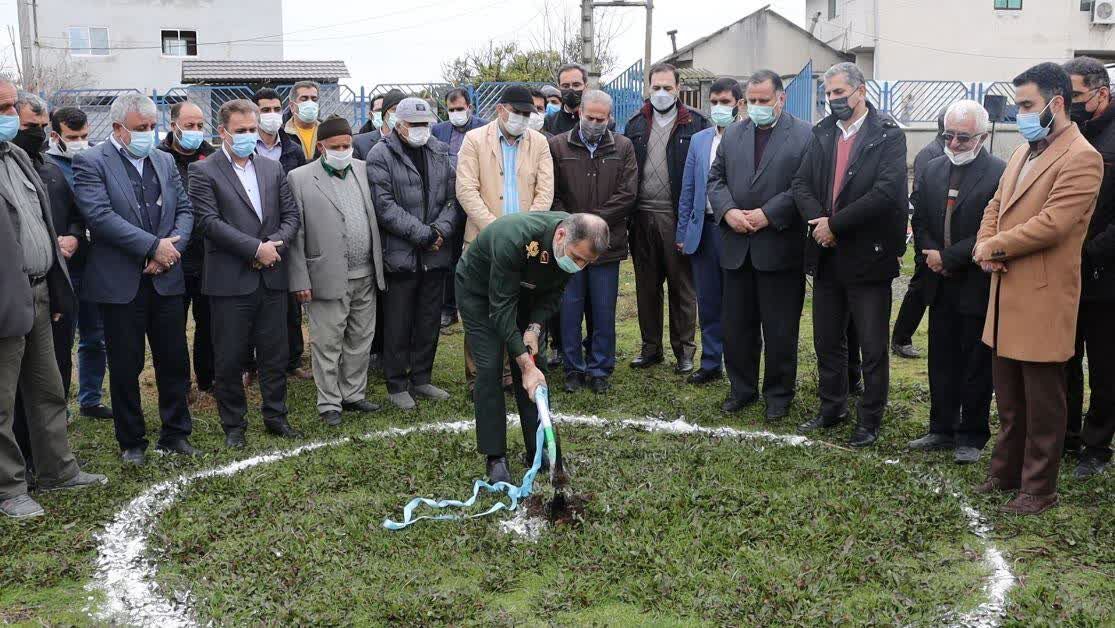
{"x":32,"y":140}
{"x":841,"y":109}
{"x":1079,"y":113}
{"x":571,"y":98}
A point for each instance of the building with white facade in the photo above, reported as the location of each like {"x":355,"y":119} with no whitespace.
{"x":141,"y":43}
{"x":964,"y":40}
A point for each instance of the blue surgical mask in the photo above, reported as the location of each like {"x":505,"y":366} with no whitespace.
{"x":141,"y":143}
{"x":190,"y":140}
{"x":762,"y":115}
{"x":307,"y":111}
{"x":551,"y":108}
{"x":9,"y":126}
{"x":1030,"y":126}
{"x":723,"y":115}
{"x":567,"y":264}
{"x":244,"y":144}
{"x":377,"y":119}
{"x":391,"y":120}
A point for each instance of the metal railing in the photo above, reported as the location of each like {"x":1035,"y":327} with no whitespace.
{"x":626,"y":91}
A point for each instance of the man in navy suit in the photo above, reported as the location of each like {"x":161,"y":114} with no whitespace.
{"x":761,"y":247}
{"x":140,"y":220}
{"x":697,"y":235}
{"x":249,"y":217}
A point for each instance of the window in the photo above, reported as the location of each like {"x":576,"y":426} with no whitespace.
{"x":88,"y":40}
{"x":1087,"y":5}
{"x":833,"y":8}
{"x":1008,"y":5}
{"x":180,"y":43}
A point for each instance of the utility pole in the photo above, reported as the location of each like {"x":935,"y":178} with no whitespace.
{"x":649,"y":4}
{"x":27,"y":64}
{"x":588,"y":53}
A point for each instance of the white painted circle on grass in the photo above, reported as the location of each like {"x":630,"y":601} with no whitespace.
{"x":125,"y":574}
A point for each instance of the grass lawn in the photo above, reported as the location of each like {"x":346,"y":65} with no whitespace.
{"x":679,"y":529}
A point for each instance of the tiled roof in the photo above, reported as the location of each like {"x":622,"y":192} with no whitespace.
{"x":199,"y":71}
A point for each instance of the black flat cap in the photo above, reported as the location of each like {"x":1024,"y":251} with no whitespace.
{"x":518,"y":98}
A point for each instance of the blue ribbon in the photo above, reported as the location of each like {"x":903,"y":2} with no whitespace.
{"x":516,"y":493}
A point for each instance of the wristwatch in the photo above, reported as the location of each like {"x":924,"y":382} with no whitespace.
{"x":534,"y":327}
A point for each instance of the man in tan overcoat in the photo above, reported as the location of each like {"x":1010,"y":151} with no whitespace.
{"x":1030,"y":240}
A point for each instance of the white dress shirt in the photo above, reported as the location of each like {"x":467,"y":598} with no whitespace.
{"x":849,"y":130}
{"x":247,"y":176}
{"x":136,"y":161}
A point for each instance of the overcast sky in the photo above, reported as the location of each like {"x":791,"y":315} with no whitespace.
{"x":407,"y":42}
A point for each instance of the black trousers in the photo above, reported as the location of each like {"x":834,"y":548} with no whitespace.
{"x":855,"y":356}
{"x":296,"y":345}
{"x":239,"y":322}
{"x":377,"y":340}
{"x":412,"y":306}
{"x":960,"y":381}
{"x":489,"y":354}
{"x":203,"y":333}
{"x":762,"y":306}
{"x":1095,"y":334}
{"x":62,"y":331}
{"x":449,"y":304}
{"x":868,"y":306}
{"x":912,"y":309}
{"x":161,"y":320}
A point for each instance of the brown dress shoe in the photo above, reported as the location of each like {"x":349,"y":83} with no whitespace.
{"x":1027,"y":504}
{"x":991,"y":485}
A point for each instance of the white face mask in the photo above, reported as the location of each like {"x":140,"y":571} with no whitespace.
{"x":662,"y":100}
{"x":72,"y":147}
{"x":418,"y":135}
{"x":536,"y":121}
{"x":516,"y":124}
{"x":965,"y":158}
{"x":338,"y":159}
{"x":269,"y":123}
{"x":459,"y":118}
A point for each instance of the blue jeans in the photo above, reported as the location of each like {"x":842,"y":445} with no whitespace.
{"x":91,"y":358}
{"x":707,"y":279}
{"x":598,"y":287}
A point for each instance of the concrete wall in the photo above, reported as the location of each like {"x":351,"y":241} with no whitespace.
{"x":138,"y":24}
{"x":966,"y":40}
{"x":761,"y":42}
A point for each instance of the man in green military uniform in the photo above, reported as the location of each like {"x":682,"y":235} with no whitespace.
{"x":509,"y":281}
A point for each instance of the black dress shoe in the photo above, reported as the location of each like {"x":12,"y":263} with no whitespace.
{"x":646,"y":361}
{"x":599,"y":385}
{"x":180,"y":446}
{"x":864,"y":436}
{"x":906,"y":351}
{"x":332,"y":418}
{"x":280,"y":427}
{"x":99,"y":411}
{"x":235,"y":439}
{"x":776,"y":414}
{"x":734,"y":404}
{"x":821,"y":422}
{"x":135,"y":456}
{"x":574,"y":381}
{"x":362,"y":406}
{"x":683,"y":367}
{"x":705,"y":376}
{"x":497,"y":470}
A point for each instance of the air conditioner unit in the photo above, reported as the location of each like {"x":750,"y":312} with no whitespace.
{"x":1104,"y":12}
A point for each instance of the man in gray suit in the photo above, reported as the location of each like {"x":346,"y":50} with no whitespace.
{"x":32,"y":280}
{"x":247,"y":215}
{"x":336,"y":268}
{"x":761,"y":250}
{"x":140,"y":221}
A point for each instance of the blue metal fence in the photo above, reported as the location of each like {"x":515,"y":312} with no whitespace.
{"x":626,"y":91}
{"x":799,"y":94}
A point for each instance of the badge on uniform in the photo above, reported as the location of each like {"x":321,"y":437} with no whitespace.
{"x":532,"y":249}
{"x":545,"y":257}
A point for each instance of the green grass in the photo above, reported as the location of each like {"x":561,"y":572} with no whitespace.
{"x":1065,"y":559}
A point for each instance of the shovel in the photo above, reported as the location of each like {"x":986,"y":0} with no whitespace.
{"x":559,"y":479}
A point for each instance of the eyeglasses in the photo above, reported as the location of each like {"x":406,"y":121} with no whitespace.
{"x":959,"y":137}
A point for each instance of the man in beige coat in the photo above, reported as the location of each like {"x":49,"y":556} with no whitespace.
{"x":1030,"y":239}
{"x":336,"y":268}
{"x":487,"y":153}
